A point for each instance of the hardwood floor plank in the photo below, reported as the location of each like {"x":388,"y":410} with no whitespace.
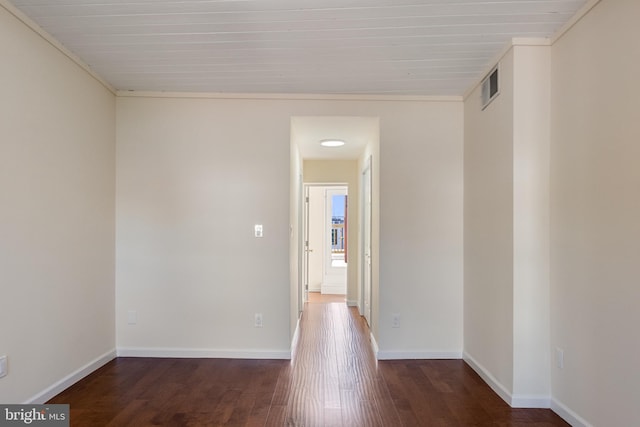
{"x":332,"y":381}
{"x":260,"y":411}
{"x":384,"y":404}
{"x":277,"y":416}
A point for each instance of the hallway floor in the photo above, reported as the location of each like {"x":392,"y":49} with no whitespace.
{"x":333,"y":380}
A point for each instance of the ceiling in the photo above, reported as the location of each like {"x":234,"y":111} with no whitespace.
{"x":392,"y":47}
{"x":356,"y":132}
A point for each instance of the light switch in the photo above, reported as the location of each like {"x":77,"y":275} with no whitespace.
{"x":258,"y":230}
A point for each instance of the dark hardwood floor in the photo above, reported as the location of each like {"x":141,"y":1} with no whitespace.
{"x":333,"y":380}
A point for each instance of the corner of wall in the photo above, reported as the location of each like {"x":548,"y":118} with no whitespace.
{"x":567,"y":414}
{"x":72,"y":378}
{"x":55,"y":43}
{"x":488,"y":378}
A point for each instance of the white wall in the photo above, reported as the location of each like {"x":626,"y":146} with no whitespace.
{"x":420,"y":202}
{"x":488,"y":230}
{"x":296,"y":234}
{"x":595,"y":232}
{"x":371,"y":158}
{"x":531,"y":140}
{"x":195,"y":174}
{"x":507,"y":228}
{"x":57,"y":149}
{"x":193,"y":177}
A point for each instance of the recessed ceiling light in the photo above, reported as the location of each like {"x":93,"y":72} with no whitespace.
{"x":332,"y":143}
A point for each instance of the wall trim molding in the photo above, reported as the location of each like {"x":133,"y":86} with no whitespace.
{"x":17,"y":13}
{"x":66,"y":382}
{"x":296,"y":336}
{"x":532,"y":41}
{"x":283,"y":96}
{"x":186,"y":353}
{"x":513,"y":400}
{"x":581,"y":13}
{"x":374,"y":345}
{"x":495,"y":385}
{"x":516,"y":41}
{"x":531,"y":401}
{"x":287,"y":96}
{"x":424,"y":354}
{"x":567,"y":414}
{"x":333,"y":289}
{"x":353,"y":303}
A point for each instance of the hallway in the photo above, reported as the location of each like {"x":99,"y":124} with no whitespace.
{"x":333,"y":380}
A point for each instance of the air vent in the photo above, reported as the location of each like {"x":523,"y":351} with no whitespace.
{"x":490,"y":87}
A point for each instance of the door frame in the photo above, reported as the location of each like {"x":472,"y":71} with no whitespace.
{"x":304,"y":249}
{"x":366,"y":227}
{"x":303,"y":246}
{"x":332,"y":276}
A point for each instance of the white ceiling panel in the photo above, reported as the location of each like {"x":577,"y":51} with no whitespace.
{"x":404,"y":47}
{"x":356,"y":132}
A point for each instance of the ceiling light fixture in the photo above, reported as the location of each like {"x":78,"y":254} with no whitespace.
{"x":332,"y":143}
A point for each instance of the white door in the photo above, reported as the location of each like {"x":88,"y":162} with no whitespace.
{"x":366,"y":241}
{"x":315,"y":236}
{"x":335,"y":260}
{"x":305,"y":248}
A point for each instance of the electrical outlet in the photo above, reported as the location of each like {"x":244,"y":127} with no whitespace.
{"x":257,"y":230}
{"x":395,"y":320}
{"x":258,"y":320}
{"x":3,"y":366}
{"x":560,"y":358}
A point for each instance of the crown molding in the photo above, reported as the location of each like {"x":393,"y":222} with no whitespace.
{"x":526,"y":41}
{"x":574,"y":20}
{"x":5,"y":4}
{"x":516,"y":41}
{"x":286,"y":96}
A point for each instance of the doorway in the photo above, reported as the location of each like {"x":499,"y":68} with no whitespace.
{"x":326,"y":240}
{"x":314,"y":165}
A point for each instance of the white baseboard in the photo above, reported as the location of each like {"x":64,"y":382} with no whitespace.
{"x":495,"y":385}
{"x":314,"y":288}
{"x":374,"y":345}
{"x":352,"y":303}
{"x":513,"y":400}
{"x":333,"y":289}
{"x":568,"y":415}
{"x":538,"y":401}
{"x":294,"y":340}
{"x":410,"y":355}
{"x":71,"y":379}
{"x":519,"y":401}
{"x":203,"y":353}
